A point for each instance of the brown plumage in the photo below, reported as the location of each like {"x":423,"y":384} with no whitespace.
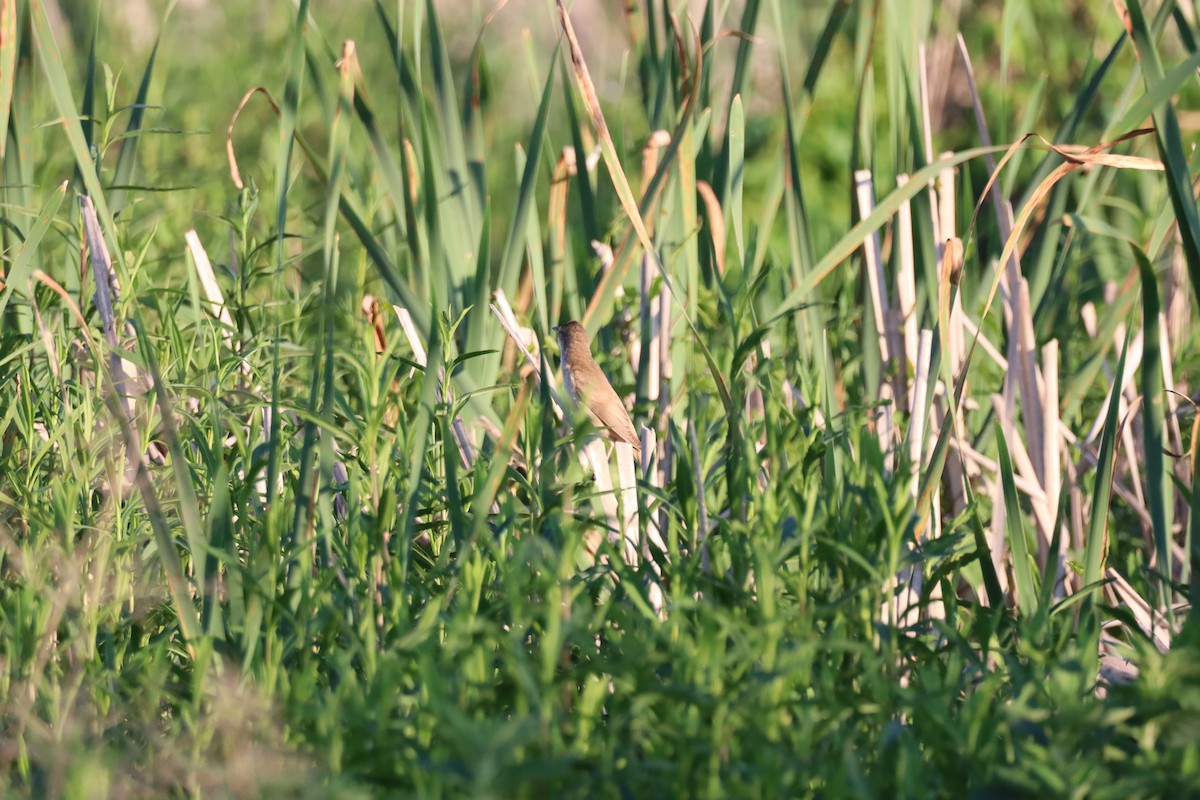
{"x":587,"y":385}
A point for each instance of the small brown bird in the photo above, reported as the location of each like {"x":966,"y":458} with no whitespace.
{"x":587,"y":385}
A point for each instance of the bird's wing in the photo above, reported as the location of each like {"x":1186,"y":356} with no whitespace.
{"x":607,"y":411}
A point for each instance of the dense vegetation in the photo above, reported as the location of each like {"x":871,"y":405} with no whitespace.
{"x":288,"y":505}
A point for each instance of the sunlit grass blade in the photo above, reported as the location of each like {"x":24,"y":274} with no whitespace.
{"x":736,"y":147}
{"x":8,"y":65}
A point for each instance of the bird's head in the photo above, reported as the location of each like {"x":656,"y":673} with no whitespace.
{"x":571,"y":335}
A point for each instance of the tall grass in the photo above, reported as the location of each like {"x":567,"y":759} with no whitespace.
{"x":289,"y":505}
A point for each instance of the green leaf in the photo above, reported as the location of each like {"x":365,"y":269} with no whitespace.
{"x":1022,"y":565}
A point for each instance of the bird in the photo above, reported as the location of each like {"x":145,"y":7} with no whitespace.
{"x":587,"y":385}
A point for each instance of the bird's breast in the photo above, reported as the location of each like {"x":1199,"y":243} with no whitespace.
{"x":569,"y":384}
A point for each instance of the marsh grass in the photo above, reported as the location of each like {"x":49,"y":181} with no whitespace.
{"x":288,"y":504}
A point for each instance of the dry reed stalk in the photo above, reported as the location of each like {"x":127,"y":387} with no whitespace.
{"x":1078,"y":520}
{"x":536,"y":360}
{"x":904,"y":589}
{"x":957,"y":473}
{"x":1074,"y":159}
{"x":1030,"y":380}
{"x":556,"y":215}
{"x":917,"y":433}
{"x":605,"y":255}
{"x":666,"y":457}
{"x":872,"y":253}
{"x":650,"y":307}
{"x":877,"y":289}
{"x":1004,"y":215}
{"x":1039,"y":416}
{"x":627,"y":494}
{"x":212,"y":291}
{"x":927,"y":140}
{"x":1052,"y":455}
{"x":1128,"y":400}
{"x":906,"y":285}
{"x":948,"y":223}
{"x":1029,"y":487}
{"x":1152,"y":621}
{"x":985,"y":343}
{"x":130,"y":384}
{"x":699,"y":536}
{"x":1175,"y":436}
{"x":636,"y":548}
{"x":654,"y":143}
{"x":715,"y":217}
{"x":594,"y":457}
{"x":997,"y":536}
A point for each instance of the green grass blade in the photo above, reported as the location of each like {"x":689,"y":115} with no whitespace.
{"x":293,"y":89}
{"x":418,"y":442}
{"x":587,"y":197}
{"x":1193,"y":539}
{"x":735,"y":145}
{"x":722,"y":178}
{"x":1022,"y":565}
{"x":1170,"y":146}
{"x":1096,"y":546}
{"x":127,"y":160}
{"x":88,"y":108}
{"x":983,"y":553}
{"x":1159,"y":93}
{"x":884,"y":211}
{"x":64,"y":103}
{"x":23,"y":264}
{"x":449,"y":127}
{"x":1159,"y":494}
